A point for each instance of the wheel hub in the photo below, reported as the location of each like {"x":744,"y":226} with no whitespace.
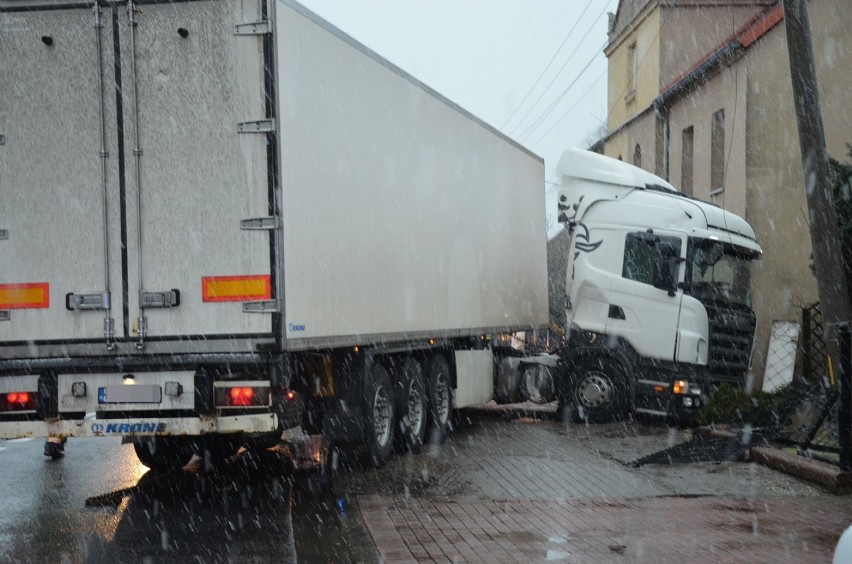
{"x":442,"y":405}
{"x":382,"y":416}
{"x":415,"y":408}
{"x":595,"y":392}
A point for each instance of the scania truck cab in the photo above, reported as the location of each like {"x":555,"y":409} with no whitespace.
{"x":658,"y":293}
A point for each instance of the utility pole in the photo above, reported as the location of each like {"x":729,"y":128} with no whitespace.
{"x":825,"y":238}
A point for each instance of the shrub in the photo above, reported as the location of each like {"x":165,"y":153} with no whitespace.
{"x":730,"y":405}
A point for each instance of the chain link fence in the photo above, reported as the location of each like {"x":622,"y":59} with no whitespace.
{"x":810,"y":419}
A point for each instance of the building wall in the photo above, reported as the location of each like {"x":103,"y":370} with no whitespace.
{"x":726,"y":90}
{"x":776,"y":204}
{"x":763,"y":173}
{"x":624,"y":102}
{"x":690,"y":32}
{"x":642,"y":132}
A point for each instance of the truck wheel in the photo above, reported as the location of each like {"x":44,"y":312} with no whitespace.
{"x":163,"y":454}
{"x":439,"y":390}
{"x":378,"y":415}
{"x":598,"y":391}
{"x":411,"y":405}
{"x":537,"y":383}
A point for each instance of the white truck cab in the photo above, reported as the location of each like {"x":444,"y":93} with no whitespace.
{"x":658,"y":292}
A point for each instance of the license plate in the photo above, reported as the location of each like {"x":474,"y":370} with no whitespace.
{"x":136,"y":393}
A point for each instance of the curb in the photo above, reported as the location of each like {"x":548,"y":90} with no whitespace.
{"x":815,"y":471}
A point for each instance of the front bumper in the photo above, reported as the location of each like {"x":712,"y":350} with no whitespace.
{"x":658,"y":399}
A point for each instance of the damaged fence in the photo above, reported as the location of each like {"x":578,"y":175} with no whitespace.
{"x":816,"y":419}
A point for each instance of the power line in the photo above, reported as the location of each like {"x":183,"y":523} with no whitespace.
{"x":568,"y":111}
{"x":546,"y":88}
{"x":543,"y":116}
{"x":546,"y":68}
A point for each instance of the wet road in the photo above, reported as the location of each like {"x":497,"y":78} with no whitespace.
{"x":247,"y":511}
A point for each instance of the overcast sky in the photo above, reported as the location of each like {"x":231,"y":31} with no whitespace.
{"x":486,"y":55}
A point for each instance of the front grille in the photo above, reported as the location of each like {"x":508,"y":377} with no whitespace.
{"x":731,"y":339}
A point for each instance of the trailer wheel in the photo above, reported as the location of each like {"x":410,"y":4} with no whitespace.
{"x":378,"y":415}
{"x":412,"y":405}
{"x":439,"y":390}
{"x":598,"y":390}
{"x":163,"y":454}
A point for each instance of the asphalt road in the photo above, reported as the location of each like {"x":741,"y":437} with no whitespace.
{"x":243,"y":512}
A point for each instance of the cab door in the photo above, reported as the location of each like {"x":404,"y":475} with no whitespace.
{"x":645,"y":301}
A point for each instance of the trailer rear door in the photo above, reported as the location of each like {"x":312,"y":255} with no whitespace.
{"x":53,"y":229}
{"x":136,"y":176}
{"x":194,"y":85}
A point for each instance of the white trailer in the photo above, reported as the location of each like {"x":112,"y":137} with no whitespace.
{"x":253,"y":219}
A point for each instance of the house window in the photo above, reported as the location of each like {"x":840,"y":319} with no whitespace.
{"x":632,"y":67}
{"x":637,"y":155}
{"x":686,"y":153}
{"x":717,"y":153}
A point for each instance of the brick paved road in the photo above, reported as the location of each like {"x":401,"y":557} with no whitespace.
{"x":541,"y":492}
{"x":650,"y":529}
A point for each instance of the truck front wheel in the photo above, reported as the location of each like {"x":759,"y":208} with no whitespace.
{"x":379,"y":411}
{"x":598,"y":390}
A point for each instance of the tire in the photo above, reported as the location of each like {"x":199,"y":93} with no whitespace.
{"x":439,"y":391}
{"x":164,"y":454}
{"x":598,"y":390}
{"x":412,"y":405}
{"x":537,"y":384}
{"x":379,"y":415}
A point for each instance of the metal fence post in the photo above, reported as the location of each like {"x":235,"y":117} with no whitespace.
{"x":845,"y":388}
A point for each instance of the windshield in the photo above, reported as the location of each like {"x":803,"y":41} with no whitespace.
{"x":718,"y":273}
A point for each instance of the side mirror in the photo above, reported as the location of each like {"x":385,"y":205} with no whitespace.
{"x":667,"y":267}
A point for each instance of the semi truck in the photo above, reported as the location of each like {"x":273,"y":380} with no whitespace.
{"x":222,"y":221}
{"x":226,"y":222}
{"x":658,"y":294}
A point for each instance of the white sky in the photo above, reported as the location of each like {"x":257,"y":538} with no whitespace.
{"x":486,"y":55}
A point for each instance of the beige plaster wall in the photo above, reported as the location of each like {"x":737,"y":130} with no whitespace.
{"x":624,"y":103}
{"x":727,"y":90}
{"x":776,"y":204}
{"x":690,"y":32}
{"x":642,"y":132}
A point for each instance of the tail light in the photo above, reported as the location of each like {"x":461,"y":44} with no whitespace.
{"x":242,"y":396}
{"x":18,"y":401}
